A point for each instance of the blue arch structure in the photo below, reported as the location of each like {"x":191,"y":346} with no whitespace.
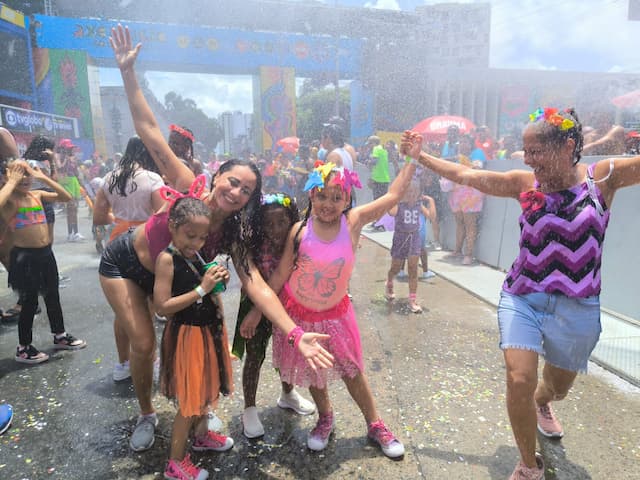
{"x":206,"y":49}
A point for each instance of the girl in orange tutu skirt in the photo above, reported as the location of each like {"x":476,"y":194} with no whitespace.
{"x":195,"y":362}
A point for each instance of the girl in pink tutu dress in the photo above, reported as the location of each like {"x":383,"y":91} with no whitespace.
{"x":312,"y":278}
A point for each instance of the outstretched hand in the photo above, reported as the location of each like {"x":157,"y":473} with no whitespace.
{"x":313,"y":352}
{"x":411,"y":144}
{"x":125,"y":54}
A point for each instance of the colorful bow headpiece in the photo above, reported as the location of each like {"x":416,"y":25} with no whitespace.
{"x":279,"y":198}
{"x":342,"y":176}
{"x":346,"y":179}
{"x":551,"y":115}
{"x":196,"y":190}
{"x":318,"y":176}
{"x":182,"y":131}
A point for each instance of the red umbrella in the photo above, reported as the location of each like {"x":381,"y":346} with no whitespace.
{"x":288,"y":144}
{"x":628,"y":100}
{"x":434,"y":129}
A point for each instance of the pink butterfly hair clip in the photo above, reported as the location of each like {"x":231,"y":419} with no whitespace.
{"x":196,"y":190}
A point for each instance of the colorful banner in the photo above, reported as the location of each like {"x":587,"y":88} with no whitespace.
{"x":221,"y":49}
{"x":70,"y":87}
{"x":277,"y":104}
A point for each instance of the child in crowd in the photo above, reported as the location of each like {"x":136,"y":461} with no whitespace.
{"x":465,"y":202}
{"x":32,"y":266}
{"x":277,"y":214}
{"x":322,"y":250}
{"x":408,"y":243}
{"x":195,"y":362}
{"x":430,"y":216}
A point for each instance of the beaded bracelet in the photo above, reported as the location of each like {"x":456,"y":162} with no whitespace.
{"x":294,"y":336}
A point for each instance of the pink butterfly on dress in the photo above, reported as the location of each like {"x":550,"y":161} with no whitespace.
{"x":314,"y":278}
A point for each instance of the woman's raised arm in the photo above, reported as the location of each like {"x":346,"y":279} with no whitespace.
{"x":178,"y":174}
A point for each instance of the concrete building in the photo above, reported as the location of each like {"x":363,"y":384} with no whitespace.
{"x":237,"y":133}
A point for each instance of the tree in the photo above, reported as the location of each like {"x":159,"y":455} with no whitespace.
{"x":315,"y":105}
{"x":185,"y":112}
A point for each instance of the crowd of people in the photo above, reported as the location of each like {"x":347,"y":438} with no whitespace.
{"x":291,"y":225}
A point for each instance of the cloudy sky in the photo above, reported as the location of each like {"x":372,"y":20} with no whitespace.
{"x":577,"y":35}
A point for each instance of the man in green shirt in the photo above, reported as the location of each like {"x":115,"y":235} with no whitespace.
{"x":379,"y":162}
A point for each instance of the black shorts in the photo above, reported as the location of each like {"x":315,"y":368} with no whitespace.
{"x":120,"y":260}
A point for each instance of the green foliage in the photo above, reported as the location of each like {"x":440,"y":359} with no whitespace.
{"x":315,"y":105}
{"x":185,"y":112}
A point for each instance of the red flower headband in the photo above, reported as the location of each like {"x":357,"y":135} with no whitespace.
{"x":196,"y":190}
{"x":185,"y":133}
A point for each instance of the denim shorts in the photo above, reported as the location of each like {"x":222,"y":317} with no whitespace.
{"x":563,"y":330}
{"x":119,"y":260}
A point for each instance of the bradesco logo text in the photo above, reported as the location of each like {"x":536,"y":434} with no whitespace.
{"x":27,"y":121}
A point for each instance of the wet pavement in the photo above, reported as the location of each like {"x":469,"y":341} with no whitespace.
{"x":438,"y":379}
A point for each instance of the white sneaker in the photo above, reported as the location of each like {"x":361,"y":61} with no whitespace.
{"x":252,"y":426}
{"x":143,"y":436}
{"x":121,"y":371}
{"x":296,"y":402}
{"x":75,"y":237}
{"x":427,"y":275}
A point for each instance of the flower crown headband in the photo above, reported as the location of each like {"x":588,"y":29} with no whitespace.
{"x":551,"y":115}
{"x":343,"y":177}
{"x":196,"y":190}
{"x":279,"y":198}
{"x":182,"y":131}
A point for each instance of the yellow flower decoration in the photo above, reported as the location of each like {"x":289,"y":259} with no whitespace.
{"x":325,"y":170}
{"x":566,"y":124}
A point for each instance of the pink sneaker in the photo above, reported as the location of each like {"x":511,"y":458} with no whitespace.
{"x":184,"y":470}
{"x":548,"y":424}
{"x":212,"y":441}
{"x":390,"y":445}
{"x":318,"y":438}
{"x":522,"y":472}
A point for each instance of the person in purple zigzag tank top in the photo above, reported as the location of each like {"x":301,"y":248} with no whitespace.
{"x":549,"y":304}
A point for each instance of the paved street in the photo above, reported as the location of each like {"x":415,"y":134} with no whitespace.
{"x":438,"y":379}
